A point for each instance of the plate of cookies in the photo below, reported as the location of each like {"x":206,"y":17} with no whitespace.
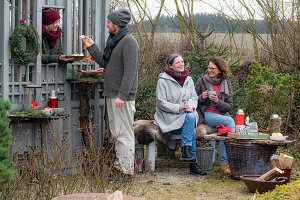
{"x":77,"y":56}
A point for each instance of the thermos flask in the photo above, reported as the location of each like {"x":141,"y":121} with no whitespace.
{"x":239,"y":121}
{"x":53,"y":101}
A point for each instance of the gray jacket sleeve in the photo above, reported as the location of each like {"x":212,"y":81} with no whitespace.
{"x":130,"y":59}
{"x":96,"y":55}
{"x":161,"y":99}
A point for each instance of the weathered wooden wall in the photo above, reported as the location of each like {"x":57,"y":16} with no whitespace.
{"x":78,"y":17}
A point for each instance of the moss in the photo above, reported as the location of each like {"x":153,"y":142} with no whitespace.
{"x":76,"y":75}
{"x":29,"y":113}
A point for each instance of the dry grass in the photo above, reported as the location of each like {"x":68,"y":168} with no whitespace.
{"x":240,"y":45}
{"x":46,"y":173}
{"x":172,"y":180}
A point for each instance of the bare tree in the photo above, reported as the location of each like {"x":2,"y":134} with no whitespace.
{"x":184,"y":14}
{"x":185,"y":20}
{"x":284,"y":30}
{"x":115,"y":4}
{"x":282,"y":17}
{"x":144,"y":11}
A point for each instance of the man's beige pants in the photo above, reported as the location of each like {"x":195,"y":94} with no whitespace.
{"x":121,"y":127}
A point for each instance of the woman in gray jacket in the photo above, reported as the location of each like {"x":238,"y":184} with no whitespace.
{"x":213,"y":108}
{"x":176,"y":103}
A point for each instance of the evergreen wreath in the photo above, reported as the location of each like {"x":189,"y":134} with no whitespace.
{"x":24,"y":56}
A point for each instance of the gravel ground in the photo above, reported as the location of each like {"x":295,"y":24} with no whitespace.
{"x":171,"y":180}
{"x":177,"y":183}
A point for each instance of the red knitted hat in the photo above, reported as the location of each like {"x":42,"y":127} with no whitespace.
{"x":50,"y":16}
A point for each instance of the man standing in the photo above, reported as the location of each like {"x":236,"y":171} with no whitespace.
{"x":120,"y":59}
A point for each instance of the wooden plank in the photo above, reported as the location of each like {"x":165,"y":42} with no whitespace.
{"x":4,"y":48}
{"x":270,"y":174}
{"x":247,"y":136}
{"x":214,"y":136}
{"x":285,"y":161}
{"x":275,"y":143}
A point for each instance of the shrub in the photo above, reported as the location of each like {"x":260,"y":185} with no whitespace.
{"x":6,"y":173}
{"x":146,"y":101}
{"x":290,"y":191}
{"x":240,"y":92}
{"x":44,"y":172}
{"x":269,"y":93}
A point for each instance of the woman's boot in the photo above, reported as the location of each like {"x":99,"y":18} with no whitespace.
{"x":195,"y":169}
{"x":186,"y":156}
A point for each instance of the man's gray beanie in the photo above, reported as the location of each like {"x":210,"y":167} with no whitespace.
{"x":120,"y":17}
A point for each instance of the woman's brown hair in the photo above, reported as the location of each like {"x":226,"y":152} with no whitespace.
{"x":222,"y":66}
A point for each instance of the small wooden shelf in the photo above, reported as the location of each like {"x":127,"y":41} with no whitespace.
{"x":35,"y":119}
{"x":85,"y":80}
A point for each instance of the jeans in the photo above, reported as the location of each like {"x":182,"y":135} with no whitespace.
{"x":188,"y":133}
{"x":213,"y":120}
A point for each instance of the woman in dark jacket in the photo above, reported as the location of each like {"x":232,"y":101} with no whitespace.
{"x":51,"y":41}
{"x":213,"y":109}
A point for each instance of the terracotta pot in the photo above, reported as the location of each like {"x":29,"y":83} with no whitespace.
{"x":260,"y":186}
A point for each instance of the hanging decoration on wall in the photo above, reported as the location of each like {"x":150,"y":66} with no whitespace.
{"x":20,"y":54}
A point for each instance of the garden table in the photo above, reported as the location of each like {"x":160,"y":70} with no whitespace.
{"x":86,"y":111}
{"x":249,"y":156}
{"x":37,"y":137}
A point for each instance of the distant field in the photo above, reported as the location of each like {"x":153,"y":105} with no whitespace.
{"x":242,"y":39}
{"x":240,"y":45}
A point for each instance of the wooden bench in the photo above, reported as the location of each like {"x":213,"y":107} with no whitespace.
{"x":163,"y":150}
{"x":150,"y":148}
{"x":146,"y":133}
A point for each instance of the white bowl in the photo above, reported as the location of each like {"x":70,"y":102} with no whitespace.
{"x":278,"y":138}
{"x":47,"y":112}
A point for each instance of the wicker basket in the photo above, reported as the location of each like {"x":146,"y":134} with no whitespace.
{"x":205,"y":157}
{"x":249,"y":159}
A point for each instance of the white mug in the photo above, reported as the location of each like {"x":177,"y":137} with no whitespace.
{"x":240,"y":129}
{"x":211,"y":92}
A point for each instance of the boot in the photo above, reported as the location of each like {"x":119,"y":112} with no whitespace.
{"x":195,"y":169}
{"x":225,"y":168}
{"x":186,"y":156}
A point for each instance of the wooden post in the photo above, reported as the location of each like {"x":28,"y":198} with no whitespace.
{"x":85,"y":118}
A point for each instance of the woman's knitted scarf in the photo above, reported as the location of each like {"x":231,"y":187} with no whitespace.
{"x":112,"y":42}
{"x":180,"y":78}
{"x":51,"y":36}
{"x":209,"y":82}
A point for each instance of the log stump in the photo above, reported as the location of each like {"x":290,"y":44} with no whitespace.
{"x":85,"y":119}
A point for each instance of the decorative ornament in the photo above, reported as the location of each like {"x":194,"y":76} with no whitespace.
{"x":24,"y":56}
